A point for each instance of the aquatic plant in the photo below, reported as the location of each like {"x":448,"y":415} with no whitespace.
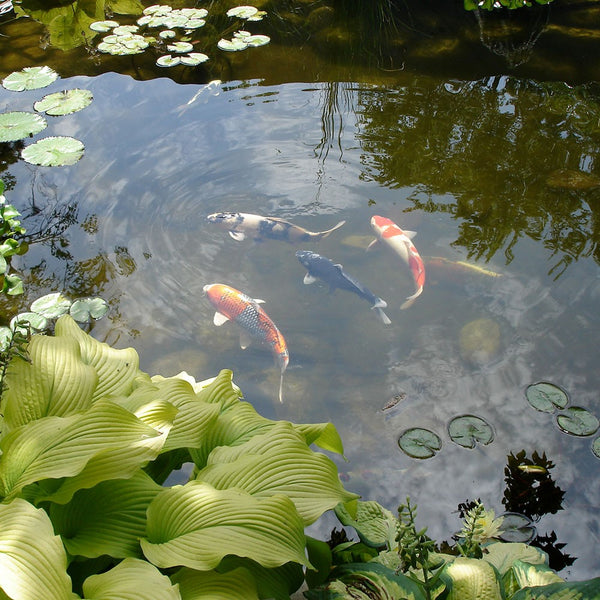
{"x":496,"y":4}
{"x":11,"y":243}
{"x":88,"y":441}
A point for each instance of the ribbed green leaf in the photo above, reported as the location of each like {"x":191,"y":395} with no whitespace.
{"x":33,"y":562}
{"x":55,"y":447}
{"x":503,"y":554}
{"x":56,"y":382}
{"x":208,"y":585}
{"x":528,"y":575}
{"x":196,"y":525}
{"x":569,"y":590}
{"x":131,"y":579}
{"x":324,"y":435}
{"x":221,"y":390}
{"x":107,"y":519}
{"x":472,"y":578}
{"x":116,"y":369}
{"x":279,"y":462}
{"x":375,"y":525}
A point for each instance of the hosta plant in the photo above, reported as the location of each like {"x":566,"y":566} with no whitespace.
{"x":87,"y":443}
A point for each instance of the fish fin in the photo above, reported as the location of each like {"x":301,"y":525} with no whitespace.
{"x":259,"y":300}
{"x":219,"y":319}
{"x":338,"y":266}
{"x":373,"y":244}
{"x":384,"y":318}
{"x":308,"y":279}
{"x":409,"y":301}
{"x":245,"y":340}
{"x":281,"y":388}
{"x":238,"y":236}
{"x":324,"y":234}
{"x":379,"y":303}
{"x":410,"y":234}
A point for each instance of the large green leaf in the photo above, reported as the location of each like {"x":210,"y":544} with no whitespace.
{"x":279,"y":462}
{"x":131,"y":579}
{"x":503,"y":554}
{"x":472,"y":578}
{"x":196,"y":525}
{"x":375,"y":525}
{"x":569,"y":590}
{"x":208,"y":585}
{"x":107,"y":519}
{"x":56,"y":382}
{"x":33,"y":562}
{"x":54,"y":447}
{"x":324,"y":435}
{"x":528,"y":575}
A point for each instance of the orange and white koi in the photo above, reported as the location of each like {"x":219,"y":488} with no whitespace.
{"x":232,"y":305}
{"x":400,"y":241}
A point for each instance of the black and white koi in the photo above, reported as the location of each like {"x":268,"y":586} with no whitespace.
{"x":242,"y":225}
{"x":320,"y":267}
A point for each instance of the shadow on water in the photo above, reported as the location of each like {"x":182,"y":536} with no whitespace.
{"x":479,"y":130}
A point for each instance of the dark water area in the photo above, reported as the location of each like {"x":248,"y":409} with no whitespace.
{"x":481,"y":132}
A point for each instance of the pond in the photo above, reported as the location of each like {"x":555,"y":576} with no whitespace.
{"x":481,"y":135}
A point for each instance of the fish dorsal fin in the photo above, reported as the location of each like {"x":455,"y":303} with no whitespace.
{"x":238,"y":236}
{"x":338,"y":266}
{"x":373,"y":244}
{"x":308,"y":279}
{"x":410,"y":234}
{"x":219,"y":319}
{"x":258,"y":300}
{"x":245,"y":340}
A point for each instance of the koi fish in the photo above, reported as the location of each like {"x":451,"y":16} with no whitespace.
{"x":231,"y":304}
{"x":400,"y":241}
{"x":239,"y":225}
{"x":319,"y":267}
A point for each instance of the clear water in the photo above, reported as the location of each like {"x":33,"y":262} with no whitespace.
{"x":499,"y":170}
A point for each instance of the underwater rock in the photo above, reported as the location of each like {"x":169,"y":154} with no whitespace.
{"x":572,"y":179}
{"x":479,"y":341}
{"x":321,"y":17}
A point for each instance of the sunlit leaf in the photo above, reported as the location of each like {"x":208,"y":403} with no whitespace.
{"x":502,"y":555}
{"x":375,"y":525}
{"x":472,"y":578}
{"x":125,"y":29}
{"x":103,"y":26}
{"x":209,"y":585}
{"x":64,"y":103}
{"x":6,"y":336}
{"x":257,"y":40}
{"x":54,"y":152}
{"x":193,"y":58}
{"x":469,"y":430}
{"x":32,"y":320}
{"x":17,"y":125}
{"x":242,"y":12}
{"x":419,"y":443}
{"x":52,"y":305}
{"x":30,"y":78}
{"x":167,"y":34}
{"x":578,"y":421}
{"x":180,"y":47}
{"x":546,"y":397}
{"x":233,"y":45}
{"x":84,"y":309}
{"x":157,"y":9}
{"x":168,"y":61}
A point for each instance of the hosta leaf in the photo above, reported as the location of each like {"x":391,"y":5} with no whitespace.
{"x":575,"y":590}
{"x":131,"y":579}
{"x":529,"y":575}
{"x":578,"y":421}
{"x":375,"y":525}
{"x":33,"y":562}
{"x":17,"y":125}
{"x":107,"y":519}
{"x":221,"y":389}
{"x":472,"y":578}
{"x":196,"y":525}
{"x":30,"y":78}
{"x":208,"y":585}
{"x":55,"y":447}
{"x":278,"y":462}
{"x":503,"y":554}
{"x":64,"y":103}
{"x":54,"y":151}
{"x":324,"y":435}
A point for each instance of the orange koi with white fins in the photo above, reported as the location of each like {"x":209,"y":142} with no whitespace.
{"x":400,"y":241}
{"x":232,"y":305}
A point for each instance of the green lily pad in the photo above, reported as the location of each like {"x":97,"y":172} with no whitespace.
{"x":64,"y":103}
{"x":17,"y":125}
{"x":122,"y":45}
{"x":157,"y":9}
{"x":257,"y":40}
{"x":578,"y":421}
{"x":103,"y":26}
{"x":193,"y":58}
{"x":167,"y":34}
{"x":596,"y":447}
{"x":168,"y":61}
{"x":242,"y":12}
{"x":88,"y":308}
{"x":419,"y":443}
{"x":32,"y":320}
{"x":546,"y":397}
{"x":516,"y":528}
{"x":195,"y":23}
{"x":233,"y":45}
{"x":30,"y":78}
{"x":125,"y":29}
{"x":54,"y":152}
{"x":52,"y":305}
{"x":469,"y":430}
{"x":180,"y":47}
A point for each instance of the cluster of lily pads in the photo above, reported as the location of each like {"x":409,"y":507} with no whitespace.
{"x":19,"y":125}
{"x":575,"y":420}
{"x":134,"y":39}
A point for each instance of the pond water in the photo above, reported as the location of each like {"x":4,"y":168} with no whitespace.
{"x":493,"y":161}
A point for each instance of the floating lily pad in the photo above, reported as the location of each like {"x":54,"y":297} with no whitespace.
{"x":578,"y":421}
{"x":167,"y":34}
{"x":55,"y":151}
{"x":168,"y":61}
{"x":64,"y":103}
{"x":122,"y":45}
{"x":419,"y":443}
{"x":469,"y":430}
{"x":17,"y":125}
{"x":242,"y":12}
{"x":88,"y":308}
{"x":103,"y":26}
{"x":193,"y":58}
{"x":596,"y":447}
{"x":52,"y":305}
{"x":257,"y":40}
{"x":516,"y":528}
{"x":195,"y":23}
{"x":29,"y":320}
{"x":546,"y":397}
{"x":125,"y":29}
{"x":30,"y":78}
{"x":233,"y":45}
{"x":180,"y":47}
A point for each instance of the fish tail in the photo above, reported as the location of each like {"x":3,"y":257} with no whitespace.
{"x":384,"y":318}
{"x":379,"y":303}
{"x":324,"y":234}
{"x":281,"y":388}
{"x":409,"y":301}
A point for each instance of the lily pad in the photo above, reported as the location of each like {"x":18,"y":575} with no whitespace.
{"x":242,"y":12}
{"x":168,"y":61}
{"x":167,"y":34}
{"x":52,"y":305}
{"x":546,"y":397}
{"x":122,"y":45}
{"x":64,"y":103}
{"x":125,"y":29}
{"x":469,"y":430}
{"x":103,"y":26}
{"x":234,"y":45}
{"x":29,"y":320}
{"x":30,"y":78}
{"x":517,"y":528}
{"x":54,"y":152}
{"x":419,"y":443}
{"x":578,"y":421}
{"x":88,"y":308}
{"x":193,"y":58}
{"x":596,"y":447}
{"x":17,"y":125}
{"x":180,"y":47}
{"x":257,"y":40}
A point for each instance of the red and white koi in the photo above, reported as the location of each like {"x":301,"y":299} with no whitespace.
{"x":232,"y":305}
{"x":400,"y":241}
